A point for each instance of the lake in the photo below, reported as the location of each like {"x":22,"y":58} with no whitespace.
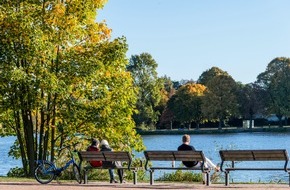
{"x":209,"y":144}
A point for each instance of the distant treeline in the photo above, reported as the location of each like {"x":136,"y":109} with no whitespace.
{"x":215,"y":99}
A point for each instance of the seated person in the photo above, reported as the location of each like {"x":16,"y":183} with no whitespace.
{"x":186,"y":147}
{"x":95,"y":147}
{"x":106,"y":147}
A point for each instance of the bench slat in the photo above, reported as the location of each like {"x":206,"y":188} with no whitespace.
{"x":232,"y":169}
{"x":91,"y":155}
{"x":117,"y":156}
{"x":105,"y":156}
{"x":174,"y":155}
{"x":253,"y":155}
{"x":175,"y":168}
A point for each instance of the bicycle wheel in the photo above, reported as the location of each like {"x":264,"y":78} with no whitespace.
{"x":44,"y":173}
{"x":77,"y":173}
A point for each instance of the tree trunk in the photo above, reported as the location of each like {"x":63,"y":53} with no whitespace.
{"x":41,"y":133}
{"x":220,"y":124}
{"x":20,"y":141}
{"x":251,"y":118}
{"x":197,"y":126}
{"x":29,"y":138}
{"x":52,"y":139}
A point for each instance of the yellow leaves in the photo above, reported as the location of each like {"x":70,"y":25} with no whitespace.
{"x":71,"y":21}
{"x":55,"y":14}
{"x":97,"y":32}
{"x":100,"y":3}
{"x":107,"y":74}
{"x":59,"y":9}
{"x":79,"y":49}
{"x":105,"y":30}
{"x":192,"y":88}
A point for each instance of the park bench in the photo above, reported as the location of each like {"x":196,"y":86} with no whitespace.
{"x":234,"y":156}
{"x":107,"y":156}
{"x":160,"y":155}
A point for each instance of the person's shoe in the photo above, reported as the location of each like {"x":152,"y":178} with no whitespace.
{"x":217,"y":168}
{"x":113,"y":181}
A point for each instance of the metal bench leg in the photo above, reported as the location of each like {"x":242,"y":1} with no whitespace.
{"x":85,"y":177}
{"x":227,"y":180}
{"x":135,"y":177}
{"x":207,"y":178}
{"x":289,"y":178}
{"x":151,"y":177}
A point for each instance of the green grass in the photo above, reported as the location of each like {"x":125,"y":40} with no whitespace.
{"x":14,"y":179}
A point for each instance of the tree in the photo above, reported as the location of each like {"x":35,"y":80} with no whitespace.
{"x":166,"y":92}
{"x":251,"y":101}
{"x":220,"y":101}
{"x":209,"y":74}
{"x":186,"y":104}
{"x":276,"y":81}
{"x":143,"y":70}
{"x":60,"y":74}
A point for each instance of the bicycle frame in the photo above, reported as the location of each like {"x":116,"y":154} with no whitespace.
{"x":67,"y":164}
{"x":53,"y":167}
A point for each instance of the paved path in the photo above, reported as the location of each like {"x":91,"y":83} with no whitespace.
{"x":140,"y":186}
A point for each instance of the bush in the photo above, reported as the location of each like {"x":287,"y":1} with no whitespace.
{"x":16,"y":172}
{"x":181,"y":176}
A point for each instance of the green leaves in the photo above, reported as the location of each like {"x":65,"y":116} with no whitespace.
{"x":143,"y":70}
{"x":61,"y":75}
{"x":186,"y":103}
{"x":220,"y":101}
{"x":275,"y":81}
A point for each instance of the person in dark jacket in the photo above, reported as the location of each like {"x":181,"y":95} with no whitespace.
{"x":106,"y":147}
{"x":185,"y":146}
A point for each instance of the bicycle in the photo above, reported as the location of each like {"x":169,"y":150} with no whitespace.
{"x":46,"y":171}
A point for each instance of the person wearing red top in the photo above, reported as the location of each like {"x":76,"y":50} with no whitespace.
{"x":95,"y":147}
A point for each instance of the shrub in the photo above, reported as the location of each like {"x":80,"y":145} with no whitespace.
{"x":16,"y":172}
{"x":181,"y":176}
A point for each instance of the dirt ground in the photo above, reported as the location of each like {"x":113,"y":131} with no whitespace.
{"x":128,"y":186}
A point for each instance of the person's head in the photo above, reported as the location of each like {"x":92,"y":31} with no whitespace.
{"x":104,"y":143}
{"x":186,"y":139}
{"x":95,"y":142}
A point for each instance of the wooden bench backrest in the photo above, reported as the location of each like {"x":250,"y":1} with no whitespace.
{"x":159,"y":155}
{"x":254,"y":155}
{"x":105,"y":156}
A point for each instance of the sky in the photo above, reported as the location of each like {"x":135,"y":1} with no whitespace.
{"x":188,"y":37}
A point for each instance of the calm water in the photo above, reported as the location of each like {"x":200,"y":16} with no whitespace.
{"x":7,"y":162}
{"x":209,"y":144}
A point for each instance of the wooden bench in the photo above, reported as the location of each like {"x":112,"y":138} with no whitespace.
{"x":107,"y":156}
{"x":159,"y":155}
{"x":252,"y":155}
